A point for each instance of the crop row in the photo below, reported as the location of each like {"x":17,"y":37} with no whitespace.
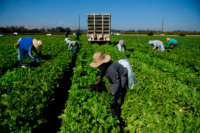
{"x":159,"y":103}
{"x":185,"y":54}
{"x":165,"y":100}
{"x":8,"y":55}
{"x":88,"y":111}
{"x":180,"y":73}
{"x":25,"y":94}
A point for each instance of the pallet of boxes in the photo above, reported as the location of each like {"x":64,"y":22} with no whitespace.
{"x":98,"y":27}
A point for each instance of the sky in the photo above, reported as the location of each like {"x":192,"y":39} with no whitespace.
{"x":125,"y":14}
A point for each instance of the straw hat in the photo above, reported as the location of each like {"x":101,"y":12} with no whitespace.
{"x":167,"y":39}
{"x":37,"y":43}
{"x":99,"y":58}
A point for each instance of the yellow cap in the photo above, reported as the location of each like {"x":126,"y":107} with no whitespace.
{"x":167,"y":39}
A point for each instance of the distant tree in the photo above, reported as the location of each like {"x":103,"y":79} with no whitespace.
{"x":60,"y":29}
{"x":182,"y":34}
{"x":67,"y":29}
{"x":150,"y":33}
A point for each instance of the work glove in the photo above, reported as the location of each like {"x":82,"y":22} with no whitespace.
{"x":37,"y":61}
{"x":23,"y":66}
{"x":98,"y":82}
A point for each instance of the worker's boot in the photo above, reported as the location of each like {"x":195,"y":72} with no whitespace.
{"x":21,"y":64}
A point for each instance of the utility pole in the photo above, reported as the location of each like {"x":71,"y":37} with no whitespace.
{"x":79,"y":23}
{"x":162,"y":24}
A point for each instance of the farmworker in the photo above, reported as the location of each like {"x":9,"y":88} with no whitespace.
{"x":117,"y":74}
{"x":77,"y":35}
{"x":66,"y":33}
{"x":72,"y":45}
{"x":76,"y":47}
{"x":157,"y":45}
{"x":172,"y":42}
{"x":25,"y":46}
{"x":121,"y":46}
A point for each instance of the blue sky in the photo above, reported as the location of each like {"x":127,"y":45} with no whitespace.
{"x":126,"y":14}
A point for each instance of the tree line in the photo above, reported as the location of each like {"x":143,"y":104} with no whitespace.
{"x":24,"y":30}
{"x":157,"y":32}
{"x":61,"y":30}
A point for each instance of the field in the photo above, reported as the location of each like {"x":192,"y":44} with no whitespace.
{"x":51,"y":98}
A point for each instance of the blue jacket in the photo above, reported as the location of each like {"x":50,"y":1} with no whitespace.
{"x":25,"y":44}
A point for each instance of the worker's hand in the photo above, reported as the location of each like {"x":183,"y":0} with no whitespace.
{"x":98,"y":82}
{"x":39,"y":54}
{"x":37,"y":61}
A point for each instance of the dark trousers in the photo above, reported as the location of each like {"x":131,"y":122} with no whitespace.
{"x":119,"y":100}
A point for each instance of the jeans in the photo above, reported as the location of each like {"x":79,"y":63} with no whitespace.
{"x":20,"y":54}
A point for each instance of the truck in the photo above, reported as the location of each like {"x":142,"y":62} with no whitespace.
{"x":98,"y":27}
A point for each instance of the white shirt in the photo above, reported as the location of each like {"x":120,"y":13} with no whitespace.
{"x":120,"y":46}
{"x":157,"y":44}
{"x":70,"y":43}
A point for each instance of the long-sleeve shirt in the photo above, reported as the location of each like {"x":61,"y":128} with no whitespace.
{"x":172,"y":42}
{"x":117,"y":76}
{"x":70,"y":43}
{"x":121,"y":46}
{"x":157,"y":44}
{"x":25,"y":44}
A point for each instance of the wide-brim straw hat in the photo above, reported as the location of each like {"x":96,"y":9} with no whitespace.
{"x":37,"y":43}
{"x":99,"y":58}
